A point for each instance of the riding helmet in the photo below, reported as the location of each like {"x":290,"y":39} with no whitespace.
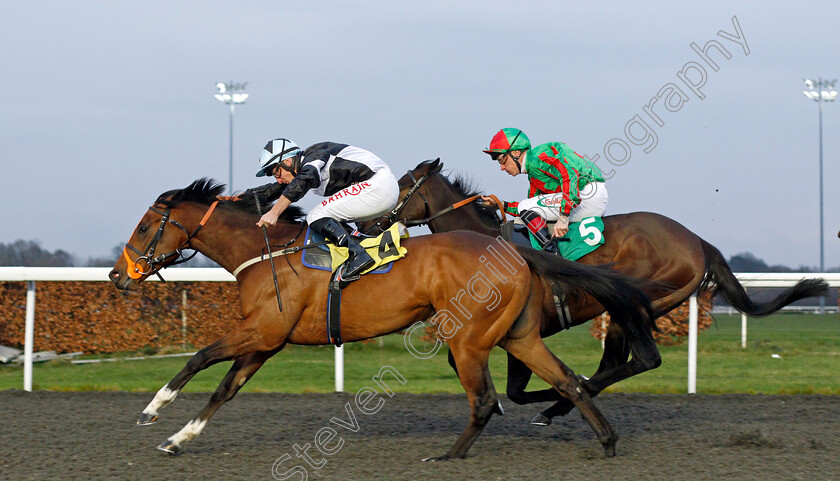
{"x":276,"y":151}
{"x":508,"y":139}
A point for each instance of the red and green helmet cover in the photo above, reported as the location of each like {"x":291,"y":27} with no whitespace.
{"x":508,"y":139}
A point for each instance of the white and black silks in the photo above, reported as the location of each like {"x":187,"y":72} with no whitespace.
{"x":329,"y":167}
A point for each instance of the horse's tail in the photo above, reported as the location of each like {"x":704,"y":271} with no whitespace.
{"x":628,"y":305}
{"x":720,"y":279}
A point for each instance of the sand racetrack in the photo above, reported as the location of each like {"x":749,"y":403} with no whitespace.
{"x":47,"y":435}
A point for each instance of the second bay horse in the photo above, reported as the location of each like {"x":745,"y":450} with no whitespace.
{"x":643,"y":245}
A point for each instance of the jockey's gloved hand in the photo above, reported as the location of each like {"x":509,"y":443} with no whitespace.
{"x":486,"y":201}
{"x":561,"y":228}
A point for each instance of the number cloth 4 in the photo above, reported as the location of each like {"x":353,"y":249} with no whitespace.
{"x":383,"y":249}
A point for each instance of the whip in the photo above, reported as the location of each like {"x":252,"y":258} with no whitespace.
{"x":268,"y":247}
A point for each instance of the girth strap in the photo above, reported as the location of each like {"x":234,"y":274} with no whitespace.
{"x":563,"y":313}
{"x":334,"y":309}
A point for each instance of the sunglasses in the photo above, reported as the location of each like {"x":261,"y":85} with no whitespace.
{"x":498,"y":157}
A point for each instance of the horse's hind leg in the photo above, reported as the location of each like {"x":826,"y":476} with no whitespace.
{"x":533,"y":352}
{"x":517,"y":381}
{"x":616,"y":354}
{"x":474,"y":375}
{"x":242,"y":370}
{"x":222,"y":350}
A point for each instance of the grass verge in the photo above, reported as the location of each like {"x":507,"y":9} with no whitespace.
{"x":785,"y":354}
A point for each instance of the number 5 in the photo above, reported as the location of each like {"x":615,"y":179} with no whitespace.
{"x":585,"y":231}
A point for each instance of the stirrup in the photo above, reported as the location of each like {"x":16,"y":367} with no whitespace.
{"x":552,"y":246}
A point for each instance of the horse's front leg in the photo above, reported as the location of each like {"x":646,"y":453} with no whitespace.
{"x":222,"y":350}
{"x":242,"y":370}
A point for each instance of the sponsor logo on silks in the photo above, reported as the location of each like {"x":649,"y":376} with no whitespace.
{"x":552,"y":201}
{"x":354,"y":189}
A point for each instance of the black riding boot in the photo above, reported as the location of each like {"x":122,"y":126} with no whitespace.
{"x":539,"y":228}
{"x":360,"y":260}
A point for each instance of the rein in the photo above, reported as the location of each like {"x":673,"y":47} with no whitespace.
{"x":395,"y":212}
{"x":457,"y":205}
{"x":155,"y":264}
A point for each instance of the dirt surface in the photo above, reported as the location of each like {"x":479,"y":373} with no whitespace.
{"x":45,"y":435}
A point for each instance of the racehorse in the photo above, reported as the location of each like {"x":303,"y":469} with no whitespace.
{"x":643,"y":245}
{"x":496,"y":303}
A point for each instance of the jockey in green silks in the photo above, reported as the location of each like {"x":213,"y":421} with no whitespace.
{"x":564,"y":186}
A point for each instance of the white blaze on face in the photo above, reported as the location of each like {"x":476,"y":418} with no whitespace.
{"x":163,"y":397}
{"x":191,"y":430}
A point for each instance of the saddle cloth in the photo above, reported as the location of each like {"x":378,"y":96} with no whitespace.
{"x":384,"y":249}
{"x":583,"y":237}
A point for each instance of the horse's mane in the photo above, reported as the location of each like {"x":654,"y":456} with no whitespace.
{"x":206,"y":191}
{"x":468,"y":187}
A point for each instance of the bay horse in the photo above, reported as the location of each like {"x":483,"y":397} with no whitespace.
{"x":643,"y":245}
{"x":494,"y":303}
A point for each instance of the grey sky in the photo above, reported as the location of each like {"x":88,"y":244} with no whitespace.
{"x":108,"y":104}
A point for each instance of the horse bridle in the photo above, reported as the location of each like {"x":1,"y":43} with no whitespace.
{"x":409,"y":194}
{"x":155,"y":264}
{"x":395,"y":212}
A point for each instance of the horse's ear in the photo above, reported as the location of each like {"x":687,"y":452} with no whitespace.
{"x":429,"y":166}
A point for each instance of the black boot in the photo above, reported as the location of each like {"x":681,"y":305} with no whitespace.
{"x":539,"y":228}
{"x":360,"y":260}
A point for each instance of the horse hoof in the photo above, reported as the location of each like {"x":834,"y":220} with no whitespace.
{"x":146,"y":419}
{"x":436,"y":459}
{"x":170,"y":448}
{"x":498,"y":409}
{"x":540,"y":420}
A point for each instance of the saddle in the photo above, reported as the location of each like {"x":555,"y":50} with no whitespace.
{"x":384,"y":249}
{"x":327,"y":257}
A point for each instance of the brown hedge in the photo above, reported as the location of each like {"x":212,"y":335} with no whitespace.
{"x":95,"y":317}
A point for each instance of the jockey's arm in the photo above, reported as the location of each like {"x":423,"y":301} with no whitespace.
{"x":268,"y":192}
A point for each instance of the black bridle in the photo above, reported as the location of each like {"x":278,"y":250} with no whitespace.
{"x":156,"y":263}
{"x":395,"y":212}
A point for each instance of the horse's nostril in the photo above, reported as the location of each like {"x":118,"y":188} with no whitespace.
{"x":114,"y":275}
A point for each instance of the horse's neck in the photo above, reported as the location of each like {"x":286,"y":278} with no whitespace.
{"x":463,"y":218}
{"x":229,"y":239}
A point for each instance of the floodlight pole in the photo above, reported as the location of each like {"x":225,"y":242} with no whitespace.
{"x":230,"y":158}
{"x":231,"y":94}
{"x":821,"y":91}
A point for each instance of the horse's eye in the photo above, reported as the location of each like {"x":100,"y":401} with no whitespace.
{"x":142,"y":229}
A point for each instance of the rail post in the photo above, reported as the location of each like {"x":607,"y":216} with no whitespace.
{"x":29,"y":336}
{"x":692,"y":344}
